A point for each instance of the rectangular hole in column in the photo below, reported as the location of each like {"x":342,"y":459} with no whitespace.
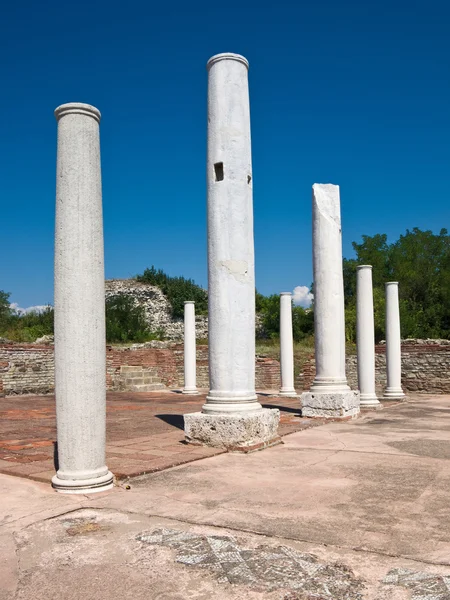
{"x":218,"y":169}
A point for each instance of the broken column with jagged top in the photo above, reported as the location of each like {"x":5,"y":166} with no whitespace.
{"x":329,"y":396}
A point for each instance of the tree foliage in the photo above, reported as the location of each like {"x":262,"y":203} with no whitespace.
{"x":24,"y":327}
{"x":178,"y":290}
{"x":420,"y":262}
{"x":269,"y":309}
{"x":5,"y":311}
{"x":125,"y":321}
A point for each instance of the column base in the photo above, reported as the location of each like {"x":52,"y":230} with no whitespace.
{"x":393,"y":394}
{"x":190,"y":391}
{"x":238,"y":432}
{"x":330,"y":405}
{"x":370,"y":401}
{"x":83,"y":486}
{"x":289,"y":393}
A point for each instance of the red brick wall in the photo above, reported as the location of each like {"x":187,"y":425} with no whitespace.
{"x":29,"y":368}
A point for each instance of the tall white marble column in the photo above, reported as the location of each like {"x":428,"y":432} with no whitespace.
{"x":231,"y":269}
{"x":393,"y":389}
{"x":286,"y":346}
{"x":365,"y":337}
{"x":80,"y":357}
{"x":329,"y":396}
{"x":190,"y":350}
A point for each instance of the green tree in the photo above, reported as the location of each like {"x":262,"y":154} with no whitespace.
{"x":125,"y":320}
{"x":302,"y":320}
{"x":178,"y":290}
{"x":420,"y":262}
{"x":5,"y":311}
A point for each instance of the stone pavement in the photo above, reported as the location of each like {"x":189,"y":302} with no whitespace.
{"x":144,"y":432}
{"x":346,"y":511}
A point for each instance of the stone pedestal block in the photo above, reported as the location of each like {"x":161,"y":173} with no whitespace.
{"x":240,"y":432}
{"x":336,"y":405}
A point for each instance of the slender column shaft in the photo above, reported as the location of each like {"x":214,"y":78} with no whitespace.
{"x":329,"y":319}
{"x":190,"y":350}
{"x":80,"y":358}
{"x":286,"y":346}
{"x":231,"y":278}
{"x":365,"y":336}
{"x":393,"y":344}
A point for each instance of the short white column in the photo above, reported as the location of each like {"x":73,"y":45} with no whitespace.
{"x":286,"y":346}
{"x":80,"y":356}
{"x":393,"y":389}
{"x":231,"y":268}
{"x":329,"y":396}
{"x":365,"y":337}
{"x":190,"y":350}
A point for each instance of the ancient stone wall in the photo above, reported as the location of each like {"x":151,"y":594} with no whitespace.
{"x":425,"y":367}
{"x":26,"y":368}
{"x":29,"y":368}
{"x":157,"y":308}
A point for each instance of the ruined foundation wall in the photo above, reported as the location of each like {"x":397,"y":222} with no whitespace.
{"x":29,"y":368}
{"x":425,"y":368}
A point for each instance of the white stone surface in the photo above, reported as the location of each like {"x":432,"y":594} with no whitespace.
{"x":231,"y":270}
{"x":233,"y":431}
{"x":80,"y":361}
{"x":334,"y":405}
{"x":329,"y":319}
{"x":365,"y":337}
{"x":393,"y":389}
{"x":190,"y":350}
{"x":286,"y":346}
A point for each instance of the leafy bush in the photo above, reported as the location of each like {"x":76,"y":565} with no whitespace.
{"x":126,"y":322}
{"x":25,"y":327}
{"x":420,"y":262}
{"x":302,"y":320}
{"x":178,"y":290}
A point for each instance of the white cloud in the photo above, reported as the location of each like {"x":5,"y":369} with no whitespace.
{"x":302,"y":296}
{"x":23,"y":311}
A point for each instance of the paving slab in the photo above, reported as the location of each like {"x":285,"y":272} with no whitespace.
{"x":347,"y":511}
{"x":145,"y":432}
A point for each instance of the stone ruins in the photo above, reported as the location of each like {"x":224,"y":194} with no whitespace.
{"x":365,"y":337}
{"x":329,"y":396}
{"x":157,"y":308}
{"x":80,"y":361}
{"x":231,"y":417}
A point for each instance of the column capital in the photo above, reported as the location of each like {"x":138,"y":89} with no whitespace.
{"x":189,"y":302}
{"x":363,"y":267}
{"x":285,"y":293}
{"x":226,"y":56}
{"x":391,"y":283}
{"x":77,"y":108}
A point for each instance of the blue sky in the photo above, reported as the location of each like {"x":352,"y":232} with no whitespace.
{"x":352,"y":93}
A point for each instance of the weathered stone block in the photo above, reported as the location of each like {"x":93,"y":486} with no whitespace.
{"x":239,"y":432}
{"x":330,"y":405}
